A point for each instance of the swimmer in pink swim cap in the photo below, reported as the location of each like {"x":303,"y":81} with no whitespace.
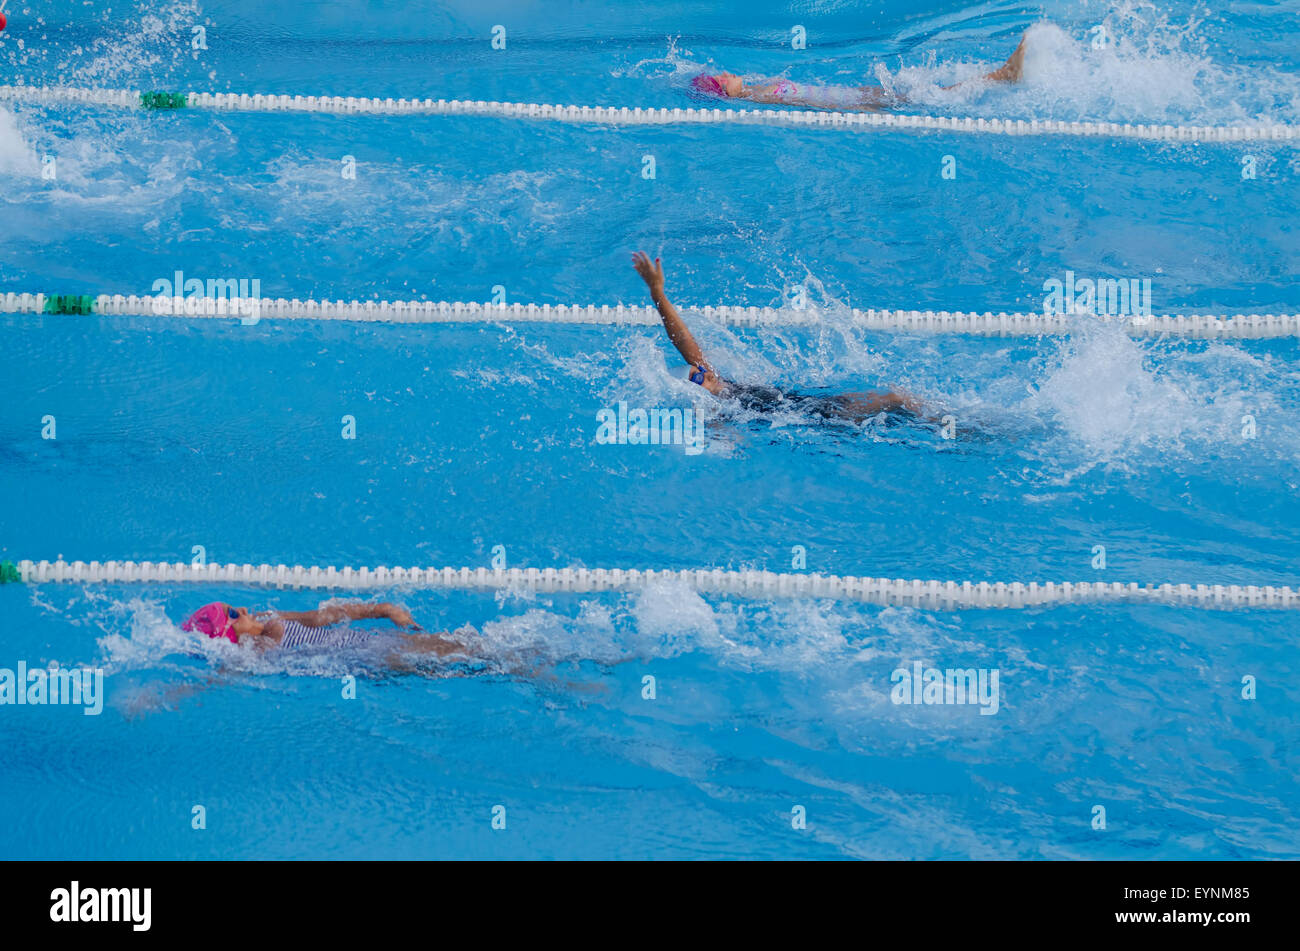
{"x":215,"y":620}
{"x":835,"y":98}
{"x":457,"y":653}
{"x":320,"y":628}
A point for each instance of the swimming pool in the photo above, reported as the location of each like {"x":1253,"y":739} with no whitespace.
{"x":475,"y":442}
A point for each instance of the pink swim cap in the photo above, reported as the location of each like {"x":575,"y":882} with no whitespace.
{"x":213,"y":620}
{"x":709,"y":84}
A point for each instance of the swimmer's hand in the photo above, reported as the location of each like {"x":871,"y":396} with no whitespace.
{"x":401,"y":617}
{"x":651,"y":273}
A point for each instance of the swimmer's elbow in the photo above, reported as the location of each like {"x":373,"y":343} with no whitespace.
{"x":320,"y":617}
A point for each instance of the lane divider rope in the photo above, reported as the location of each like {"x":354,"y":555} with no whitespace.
{"x":1197,"y":326}
{"x":623,"y":115}
{"x":933,"y":595}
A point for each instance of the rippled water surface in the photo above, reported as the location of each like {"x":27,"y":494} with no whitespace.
{"x":1178,"y":457}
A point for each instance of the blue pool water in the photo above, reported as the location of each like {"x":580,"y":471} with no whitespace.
{"x":173,"y":434}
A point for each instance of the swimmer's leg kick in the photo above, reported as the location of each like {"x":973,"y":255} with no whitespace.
{"x":1008,"y":72}
{"x":857,"y":407}
{"x":431,"y":645}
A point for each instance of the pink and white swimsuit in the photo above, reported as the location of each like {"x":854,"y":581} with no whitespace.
{"x":821,"y":97}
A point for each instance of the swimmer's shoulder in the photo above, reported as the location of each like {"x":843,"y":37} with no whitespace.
{"x":273,"y":627}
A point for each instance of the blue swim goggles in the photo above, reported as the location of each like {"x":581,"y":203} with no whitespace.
{"x":698,"y":375}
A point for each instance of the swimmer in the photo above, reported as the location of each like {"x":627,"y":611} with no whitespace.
{"x":849,"y":407}
{"x":836,"y":98}
{"x":297,"y":630}
{"x":288,"y":630}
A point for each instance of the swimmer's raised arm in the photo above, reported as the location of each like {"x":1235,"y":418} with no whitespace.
{"x":328,"y":614}
{"x":652,"y":272}
{"x":678,"y":332}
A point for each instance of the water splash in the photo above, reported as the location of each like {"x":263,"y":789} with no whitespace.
{"x":1135,"y":404}
{"x":676,"y":66}
{"x":146,"y":45}
{"x":17,"y":157}
{"x":1134,"y":63}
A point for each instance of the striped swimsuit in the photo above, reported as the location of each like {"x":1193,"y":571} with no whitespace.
{"x":299,"y":635}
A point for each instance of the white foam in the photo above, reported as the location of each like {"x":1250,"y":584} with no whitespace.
{"x":1139,"y":403}
{"x":1133,"y":64}
{"x":17,"y":157}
